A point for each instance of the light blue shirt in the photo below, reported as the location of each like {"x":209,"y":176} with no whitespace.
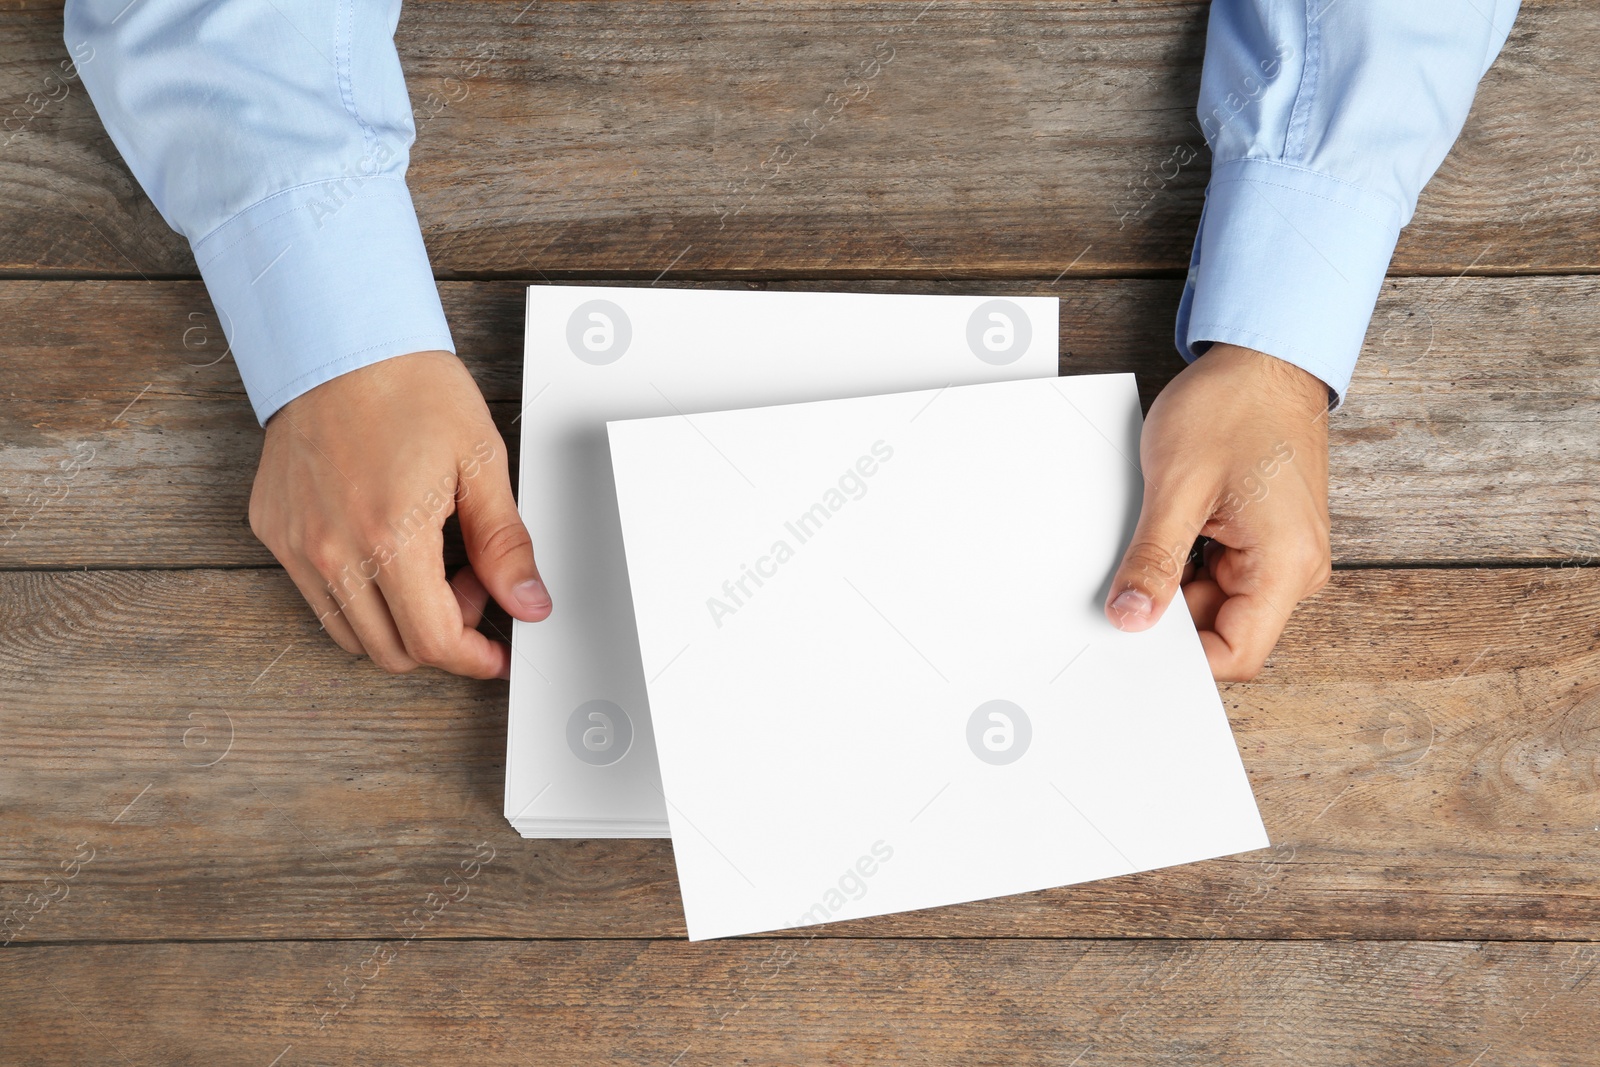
{"x":1325,"y":120}
{"x":275,"y":137}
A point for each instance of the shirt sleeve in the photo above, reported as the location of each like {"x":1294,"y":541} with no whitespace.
{"x":1325,"y":120}
{"x":275,"y":137}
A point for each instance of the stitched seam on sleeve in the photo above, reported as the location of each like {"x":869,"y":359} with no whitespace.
{"x":1305,"y":94}
{"x":344,"y":73}
{"x":363,"y":195}
{"x":1287,"y":345}
{"x":1226,"y":179}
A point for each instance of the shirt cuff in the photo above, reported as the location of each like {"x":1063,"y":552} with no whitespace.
{"x":1288,"y":262}
{"x":319,"y":280}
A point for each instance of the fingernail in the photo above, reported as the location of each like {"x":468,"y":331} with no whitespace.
{"x":532,"y":595}
{"x":1132,"y":606}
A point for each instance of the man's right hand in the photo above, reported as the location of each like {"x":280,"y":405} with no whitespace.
{"x":1234,"y":449}
{"x":357,"y":477}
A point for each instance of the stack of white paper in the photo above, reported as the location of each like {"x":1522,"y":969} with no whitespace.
{"x":581,"y":754}
{"x":879,"y":671}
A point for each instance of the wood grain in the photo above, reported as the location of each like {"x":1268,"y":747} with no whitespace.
{"x":966,"y":1004}
{"x":224,"y":840}
{"x":1424,"y":745}
{"x":1469,"y":433}
{"x":999,"y":139}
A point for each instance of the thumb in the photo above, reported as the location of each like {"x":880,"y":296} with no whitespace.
{"x":500,"y":550}
{"x":1152,"y":567}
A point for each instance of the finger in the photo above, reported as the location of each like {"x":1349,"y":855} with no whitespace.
{"x":471,"y":596}
{"x":1261,"y":590}
{"x":498,"y":544}
{"x":367,"y":610}
{"x":1204,"y":596}
{"x":315,"y":591}
{"x":1152,"y":567}
{"x":429,"y":617}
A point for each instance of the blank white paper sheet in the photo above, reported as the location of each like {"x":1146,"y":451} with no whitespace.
{"x":879,"y":673}
{"x":581,"y":759}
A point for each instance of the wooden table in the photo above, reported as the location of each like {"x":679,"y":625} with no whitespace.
{"x":243,"y":833}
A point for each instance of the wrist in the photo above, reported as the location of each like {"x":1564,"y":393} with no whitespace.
{"x":373,"y":383}
{"x":1285,"y":384}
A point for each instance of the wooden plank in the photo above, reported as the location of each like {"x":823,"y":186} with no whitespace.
{"x":1423,"y":745}
{"x":999,"y":139}
{"x":970,"y":1004}
{"x":1464,"y":395}
{"x":1469,"y":434}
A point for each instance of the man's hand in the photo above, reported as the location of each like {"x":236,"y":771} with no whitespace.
{"x":1234,"y":449}
{"x":357,"y":477}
